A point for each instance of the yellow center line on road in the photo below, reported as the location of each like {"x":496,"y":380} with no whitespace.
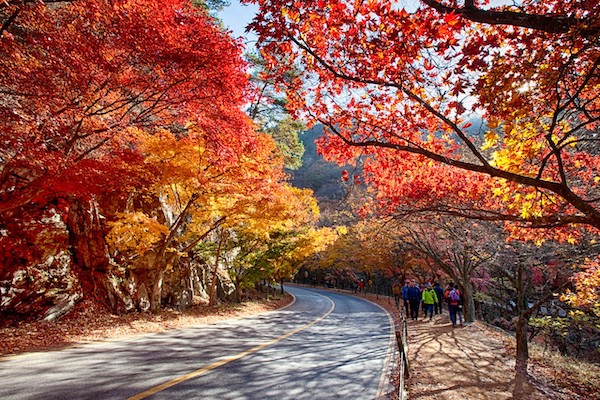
{"x":227,"y":360}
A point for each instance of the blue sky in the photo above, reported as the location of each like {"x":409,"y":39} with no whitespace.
{"x":236,"y":17}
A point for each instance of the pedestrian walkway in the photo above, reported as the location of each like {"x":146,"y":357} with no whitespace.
{"x":467,"y":362}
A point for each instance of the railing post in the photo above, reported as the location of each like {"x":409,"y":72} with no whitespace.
{"x":401,"y":331}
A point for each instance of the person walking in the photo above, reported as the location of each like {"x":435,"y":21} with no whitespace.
{"x":423,"y":307}
{"x":397,"y":291}
{"x":453,"y":299}
{"x":429,"y":298}
{"x":440,"y":295}
{"x":414,"y":297}
{"x":446,"y":293}
{"x":406,"y":299}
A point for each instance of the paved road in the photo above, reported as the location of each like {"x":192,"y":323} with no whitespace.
{"x":326,"y":345}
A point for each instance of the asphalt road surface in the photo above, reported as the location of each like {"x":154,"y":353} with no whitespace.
{"x":326,"y":345}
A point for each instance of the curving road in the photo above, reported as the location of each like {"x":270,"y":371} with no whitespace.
{"x":326,"y":345}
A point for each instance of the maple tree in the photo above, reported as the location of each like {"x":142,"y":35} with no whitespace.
{"x":266,"y":241}
{"x":368,"y":248}
{"x":453,"y":246}
{"x":528,"y":277}
{"x":77,"y":76}
{"x":203,"y":192}
{"x":130,"y":115}
{"x":401,"y":87}
{"x":113,"y":75}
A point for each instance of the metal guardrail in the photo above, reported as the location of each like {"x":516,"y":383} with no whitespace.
{"x":401,"y":340}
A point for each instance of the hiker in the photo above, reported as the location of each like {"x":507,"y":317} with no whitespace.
{"x":397,"y":291}
{"x":414,"y":298}
{"x":405,"y":298}
{"x":446,"y":293}
{"x":361,"y":285}
{"x":453,"y":299}
{"x":429,"y":299}
{"x":440,"y":295}
{"x":423,"y":306}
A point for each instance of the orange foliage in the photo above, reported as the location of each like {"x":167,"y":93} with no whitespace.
{"x":402,"y":87}
{"x":81,"y":79}
{"x":587,"y":285}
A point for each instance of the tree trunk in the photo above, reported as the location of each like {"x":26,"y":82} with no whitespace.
{"x":522,"y":356}
{"x":213,"y":283}
{"x":156,"y":293}
{"x":238,"y":290}
{"x":522,"y":345}
{"x":468,"y":302}
{"x":88,"y":247}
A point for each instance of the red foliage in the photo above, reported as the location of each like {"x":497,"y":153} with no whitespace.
{"x":398,"y":86}
{"x":78,"y":76}
{"x":80,"y":80}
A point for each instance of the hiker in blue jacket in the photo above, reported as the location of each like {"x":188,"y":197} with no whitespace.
{"x":414,"y":298}
{"x":439,"y":292}
{"x":405,"y":298}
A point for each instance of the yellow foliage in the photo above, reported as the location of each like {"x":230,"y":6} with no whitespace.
{"x":587,"y":287}
{"x":313,"y":241}
{"x":341,"y":230}
{"x":136,"y":232}
{"x":491,"y":138}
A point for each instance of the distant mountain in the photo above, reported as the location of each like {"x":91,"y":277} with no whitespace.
{"x":323,"y":177}
{"x":477,"y":128}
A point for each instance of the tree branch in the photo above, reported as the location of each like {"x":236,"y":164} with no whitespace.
{"x":544,"y":222}
{"x":9,"y":21}
{"x":214,"y":226}
{"x":7,"y":3}
{"x":545,"y":23}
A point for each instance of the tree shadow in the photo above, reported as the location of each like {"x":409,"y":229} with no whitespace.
{"x":522,"y":388}
{"x":462,"y":362}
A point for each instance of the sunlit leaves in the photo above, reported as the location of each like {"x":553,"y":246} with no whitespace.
{"x":78,"y":75}
{"x":587,"y":286}
{"x":136,"y":232}
{"x":402,"y":88}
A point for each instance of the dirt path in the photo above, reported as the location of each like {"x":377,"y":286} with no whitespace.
{"x":467,"y":362}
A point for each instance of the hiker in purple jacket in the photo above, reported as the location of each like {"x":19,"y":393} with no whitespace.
{"x":453,"y":298}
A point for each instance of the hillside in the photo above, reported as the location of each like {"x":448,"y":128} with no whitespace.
{"x":323,"y":177}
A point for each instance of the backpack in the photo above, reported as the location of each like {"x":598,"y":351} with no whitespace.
{"x":454,"y":296}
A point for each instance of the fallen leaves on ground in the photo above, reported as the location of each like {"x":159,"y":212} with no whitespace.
{"x":476,"y":361}
{"x":90,"y":322}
